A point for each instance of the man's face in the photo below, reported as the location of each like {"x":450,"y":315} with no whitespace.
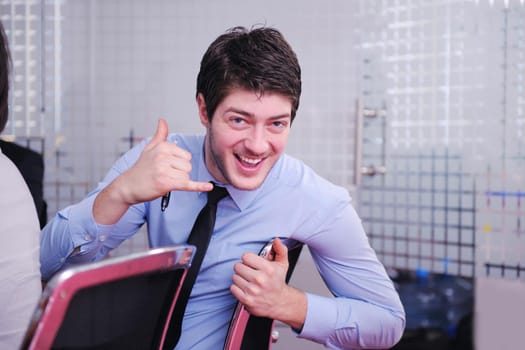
{"x":246,"y":136}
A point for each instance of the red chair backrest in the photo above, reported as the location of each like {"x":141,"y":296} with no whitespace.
{"x":116,"y":303}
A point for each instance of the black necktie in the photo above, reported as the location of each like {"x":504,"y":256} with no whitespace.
{"x":200,"y":237}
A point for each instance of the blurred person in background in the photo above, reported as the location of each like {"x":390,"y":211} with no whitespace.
{"x":19,"y":231}
{"x":31,"y":165}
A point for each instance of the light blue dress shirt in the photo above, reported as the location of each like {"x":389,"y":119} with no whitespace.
{"x":293,"y":202}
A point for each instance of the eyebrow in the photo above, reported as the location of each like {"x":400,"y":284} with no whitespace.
{"x":247,"y":114}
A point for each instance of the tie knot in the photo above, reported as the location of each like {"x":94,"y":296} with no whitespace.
{"x":216,"y":194}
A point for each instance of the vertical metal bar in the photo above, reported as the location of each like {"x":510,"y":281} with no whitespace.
{"x":57,"y":64}
{"x":42,"y":68}
{"x":12,"y":47}
{"x":383,"y":115}
{"x":27,"y":70}
{"x":358,"y":141}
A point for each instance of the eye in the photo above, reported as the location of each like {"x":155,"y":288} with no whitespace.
{"x":279,"y":125}
{"x":238,"y":122}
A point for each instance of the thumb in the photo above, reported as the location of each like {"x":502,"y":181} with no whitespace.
{"x":280,"y":250}
{"x":160,"y":135}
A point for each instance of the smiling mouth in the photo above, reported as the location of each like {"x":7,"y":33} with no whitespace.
{"x":249,"y":162}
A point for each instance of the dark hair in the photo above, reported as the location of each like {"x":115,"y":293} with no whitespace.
{"x":5,"y":60}
{"x":259,"y":60}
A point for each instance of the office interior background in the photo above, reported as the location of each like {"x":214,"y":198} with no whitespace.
{"x":417,"y":107}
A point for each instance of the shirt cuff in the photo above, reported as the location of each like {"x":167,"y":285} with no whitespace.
{"x":321,"y":316}
{"x":85,"y":232}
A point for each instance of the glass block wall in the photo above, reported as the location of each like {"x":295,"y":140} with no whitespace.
{"x":448,"y":77}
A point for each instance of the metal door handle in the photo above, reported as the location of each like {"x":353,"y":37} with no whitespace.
{"x":372,"y":170}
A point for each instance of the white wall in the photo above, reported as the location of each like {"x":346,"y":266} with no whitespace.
{"x":127,"y":63}
{"x":499,"y":314}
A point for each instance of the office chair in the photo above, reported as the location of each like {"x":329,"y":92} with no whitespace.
{"x":247,"y":332}
{"x":117,"y":303}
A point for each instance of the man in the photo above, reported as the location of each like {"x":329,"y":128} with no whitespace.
{"x":248,"y":91}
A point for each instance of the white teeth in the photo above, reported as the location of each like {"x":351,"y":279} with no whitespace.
{"x":250,"y":161}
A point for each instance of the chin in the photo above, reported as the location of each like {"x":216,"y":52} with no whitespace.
{"x":247,"y":184}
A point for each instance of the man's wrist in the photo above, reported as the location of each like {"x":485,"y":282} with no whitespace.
{"x":295,"y":306}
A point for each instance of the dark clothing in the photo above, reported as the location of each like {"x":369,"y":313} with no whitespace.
{"x":31,"y":165}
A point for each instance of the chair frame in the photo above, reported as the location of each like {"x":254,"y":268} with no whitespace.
{"x":61,"y":289}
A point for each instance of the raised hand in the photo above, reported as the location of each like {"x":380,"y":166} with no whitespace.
{"x":161,"y":167}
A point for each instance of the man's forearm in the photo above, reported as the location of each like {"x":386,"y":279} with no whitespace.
{"x":109,"y":205}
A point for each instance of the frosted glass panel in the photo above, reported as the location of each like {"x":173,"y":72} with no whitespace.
{"x":450,"y":77}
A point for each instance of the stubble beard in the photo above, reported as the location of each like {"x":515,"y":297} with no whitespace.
{"x":217,"y":159}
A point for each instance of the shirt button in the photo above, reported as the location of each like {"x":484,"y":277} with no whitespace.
{"x":87,"y":237}
{"x":102,"y":238}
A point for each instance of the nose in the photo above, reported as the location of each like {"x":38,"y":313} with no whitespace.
{"x":257,"y":141}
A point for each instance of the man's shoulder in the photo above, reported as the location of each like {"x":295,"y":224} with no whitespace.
{"x":295,"y":173}
{"x":187,"y":141}
{"x":191,"y":143}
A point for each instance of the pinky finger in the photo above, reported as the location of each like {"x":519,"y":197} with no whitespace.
{"x":199,"y":186}
{"x":237,"y":292}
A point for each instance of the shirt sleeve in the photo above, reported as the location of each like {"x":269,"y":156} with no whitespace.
{"x":366,"y":312}
{"x":74,"y":237}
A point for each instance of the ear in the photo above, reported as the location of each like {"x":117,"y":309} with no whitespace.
{"x":203,"y":113}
